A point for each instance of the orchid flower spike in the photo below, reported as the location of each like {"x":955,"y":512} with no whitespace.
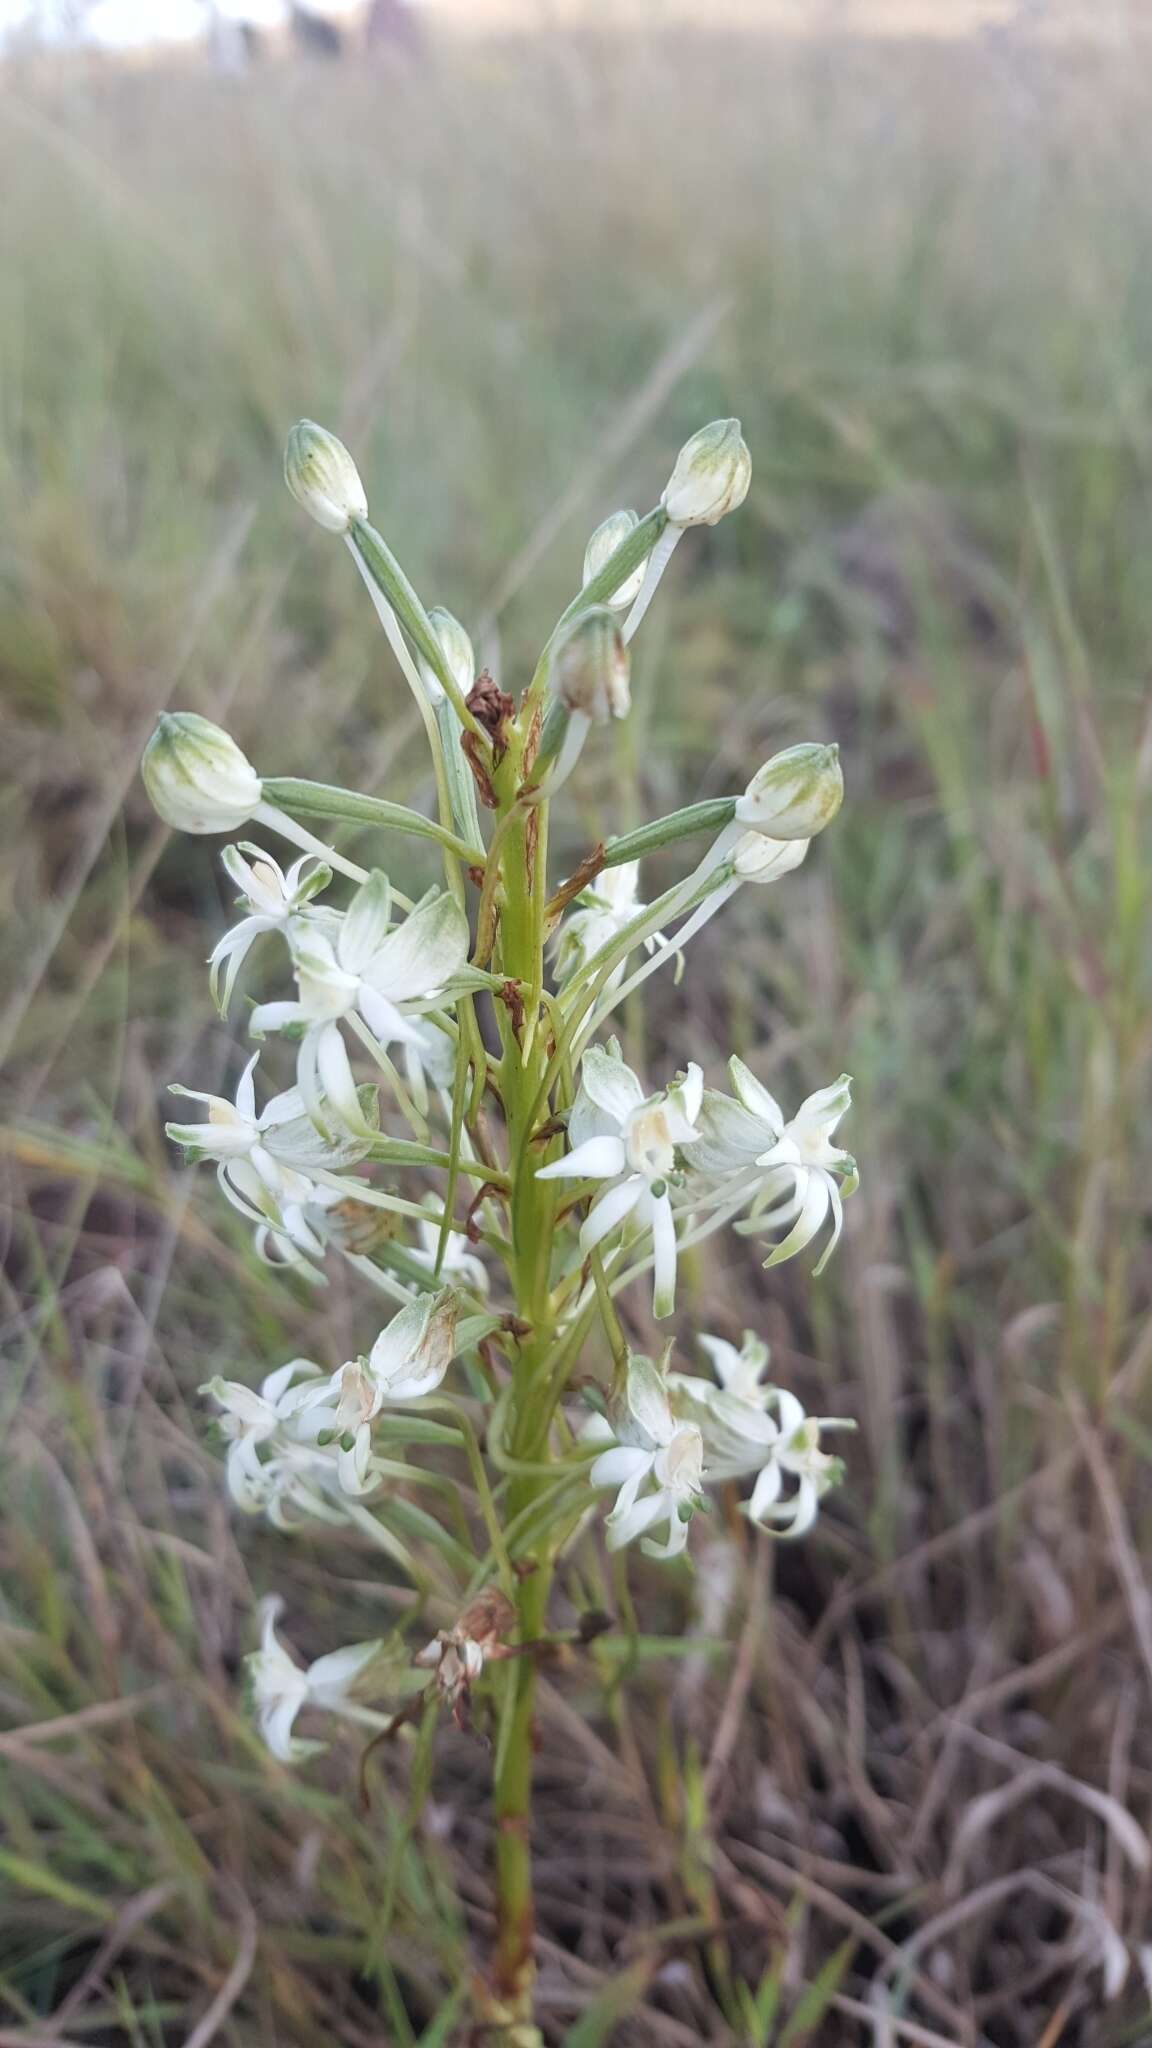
{"x":629,"y":1140}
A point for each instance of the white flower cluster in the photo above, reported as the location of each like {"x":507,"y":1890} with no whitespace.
{"x":676,"y":1433}
{"x":382,"y":986}
{"x":302,"y":1446}
{"x":680,"y":1164}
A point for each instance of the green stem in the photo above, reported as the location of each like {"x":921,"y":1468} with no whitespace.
{"x":532,"y":1206}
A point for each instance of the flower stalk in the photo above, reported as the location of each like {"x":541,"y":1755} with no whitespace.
{"x":539,"y":1176}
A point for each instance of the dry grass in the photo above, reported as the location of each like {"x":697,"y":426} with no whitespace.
{"x":906,"y":1766}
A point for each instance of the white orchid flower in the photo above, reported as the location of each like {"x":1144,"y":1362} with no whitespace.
{"x":788,"y":1169}
{"x":371,"y":972}
{"x":751,"y":1427}
{"x":273,"y":898}
{"x":253,"y":1419}
{"x":796,"y":1455}
{"x":264,"y":1159}
{"x":281,"y":1688}
{"x":408,"y":1360}
{"x":459,"y":1262}
{"x":649,"y":1444}
{"x":621,"y":1136}
{"x":602,"y":911}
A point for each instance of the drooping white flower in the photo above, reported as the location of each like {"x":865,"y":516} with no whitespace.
{"x":253,"y":1420}
{"x":272,"y":898}
{"x":281,"y":1688}
{"x":264,"y":1159}
{"x":796,"y":1456}
{"x":649,"y":1444}
{"x":408,"y":1360}
{"x":619,"y":1135}
{"x":603,"y":909}
{"x":372,"y":971}
{"x":787,"y":1169}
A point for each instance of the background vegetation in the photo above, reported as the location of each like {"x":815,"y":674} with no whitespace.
{"x":895,"y":1787}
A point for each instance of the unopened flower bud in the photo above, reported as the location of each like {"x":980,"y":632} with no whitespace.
{"x":590,"y":667}
{"x":610,"y":535}
{"x":711,"y":477}
{"x":456,"y":648}
{"x":795,"y":794}
{"x":322,"y":477}
{"x":196,"y":775}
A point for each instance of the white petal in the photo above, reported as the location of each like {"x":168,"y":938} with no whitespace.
{"x":246,"y":1092}
{"x":365,"y":924}
{"x":754,"y":1097}
{"x":677,"y":1536}
{"x":729,"y":1138}
{"x":664,"y":1258}
{"x":384,"y":1019}
{"x":609,"y":1084}
{"x":611,"y":1209}
{"x":622,"y":1462}
{"x":837,"y":1208}
{"x":428,"y":948}
{"x":822,"y":1112}
{"x":647,"y":1392}
{"x":790,"y":1413}
{"x":724,"y":1356}
{"x":336,"y":1076}
{"x":595,"y":1159}
{"x":640,"y":1516}
{"x":813,"y":1210}
{"x":276,"y":1726}
{"x":765,"y":1492}
{"x":275,"y":1017}
{"x":233,"y":948}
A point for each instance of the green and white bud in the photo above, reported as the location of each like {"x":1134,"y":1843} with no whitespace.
{"x":610,"y":535}
{"x":456,"y":648}
{"x":711,"y":477}
{"x":795,"y":794}
{"x":590,"y":667}
{"x":322,"y":477}
{"x":197,"y":777}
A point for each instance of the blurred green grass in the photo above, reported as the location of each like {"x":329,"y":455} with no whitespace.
{"x":517,"y":276}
